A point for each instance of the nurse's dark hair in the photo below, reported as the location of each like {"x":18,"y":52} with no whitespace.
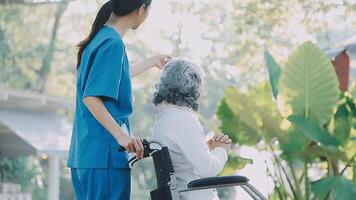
{"x":116,"y":7}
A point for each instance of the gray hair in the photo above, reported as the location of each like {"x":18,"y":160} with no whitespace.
{"x":180,"y":84}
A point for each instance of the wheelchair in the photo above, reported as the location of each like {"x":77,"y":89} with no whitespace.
{"x":167,"y":188}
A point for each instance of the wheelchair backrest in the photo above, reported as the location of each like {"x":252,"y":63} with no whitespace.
{"x":163,"y":166}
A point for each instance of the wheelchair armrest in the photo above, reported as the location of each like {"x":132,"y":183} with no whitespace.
{"x":217,"y":182}
{"x":224,"y":181}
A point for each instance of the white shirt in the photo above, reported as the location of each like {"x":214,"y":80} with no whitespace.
{"x":180,"y":130}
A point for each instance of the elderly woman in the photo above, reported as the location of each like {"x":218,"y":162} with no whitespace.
{"x":177,"y":126}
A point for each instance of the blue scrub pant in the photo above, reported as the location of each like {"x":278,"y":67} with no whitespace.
{"x":101,"y":184}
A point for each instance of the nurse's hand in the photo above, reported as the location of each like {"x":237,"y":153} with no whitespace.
{"x":161,"y":60}
{"x":156,"y":61}
{"x":132,"y":145}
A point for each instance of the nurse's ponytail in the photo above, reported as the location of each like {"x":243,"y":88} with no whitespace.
{"x":119,"y":8}
{"x":101,"y":18}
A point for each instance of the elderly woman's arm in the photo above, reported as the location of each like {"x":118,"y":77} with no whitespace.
{"x":190,"y":138}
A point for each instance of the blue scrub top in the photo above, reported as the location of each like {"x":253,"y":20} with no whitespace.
{"x":104,"y":72}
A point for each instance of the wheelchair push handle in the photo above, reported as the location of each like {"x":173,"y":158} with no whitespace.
{"x":143,"y":141}
{"x":147,"y":150}
{"x":146,"y":145}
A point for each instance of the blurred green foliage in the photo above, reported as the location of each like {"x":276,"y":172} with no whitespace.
{"x":319,"y":134}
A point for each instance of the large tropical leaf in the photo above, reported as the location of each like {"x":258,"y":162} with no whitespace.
{"x":292,"y":144}
{"x":234,"y":127}
{"x":293,"y":147}
{"x":254,"y":109}
{"x":315,"y":151}
{"x":344,"y":118}
{"x":322,"y":187}
{"x":243,"y":106}
{"x":313,"y":131}
{"x":234,"y":163}
{"x":268,"y":111}
{"x":309,"y":83}
{"x":274,"y":72}
{"x":338,"y":187}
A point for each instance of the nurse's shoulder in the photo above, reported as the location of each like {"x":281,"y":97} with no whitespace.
{"x":105,"y":38}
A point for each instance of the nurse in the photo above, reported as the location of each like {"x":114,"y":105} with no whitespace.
{"x":104,"y":104}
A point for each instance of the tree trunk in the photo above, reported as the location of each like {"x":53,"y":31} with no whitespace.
{"x":48,"y":58}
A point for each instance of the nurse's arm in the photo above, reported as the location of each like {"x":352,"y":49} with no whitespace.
{"x":99,"y":111}
{"x":156,"y":61}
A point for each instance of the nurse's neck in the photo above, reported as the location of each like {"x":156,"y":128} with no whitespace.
{"x":120,"y":24}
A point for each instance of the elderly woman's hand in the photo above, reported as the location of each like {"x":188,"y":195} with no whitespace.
{"x":219,"y":140}
{"x":220,"y":137}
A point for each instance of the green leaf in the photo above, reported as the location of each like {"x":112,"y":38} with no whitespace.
{"x":292,"y":145}
{"x":352,"y":105}
{"x":235,"y":163}
{"x":274,"y":72}
{"x":236,"y":129}
{"x":322,"y":187}
{"x":255,"y":111}
{"x":243,"y":106}
{"x":316,"y":151}
{"x":309,"y":83}
{"x":339,"y":188}
{"x":343,"y":119}
{"x":313,"y":131}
